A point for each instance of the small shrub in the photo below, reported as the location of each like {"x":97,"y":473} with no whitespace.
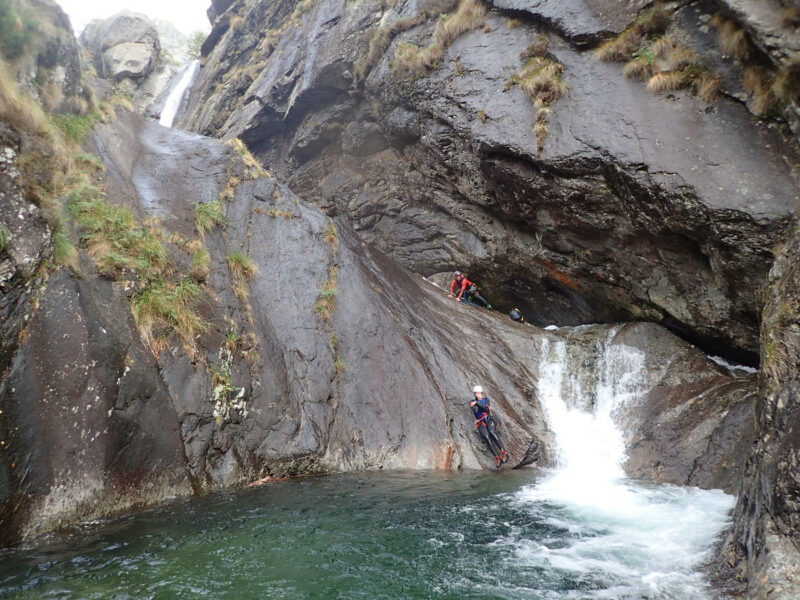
{"x":339,"y":365}
{"x":620,"y":48}
{"x":786,"y":85}
{"x":90,"y":160}
{"x":681,"y":58}
{"x":758,"y":88}
{"x":193,"y":44}
{"x":411,"y":61}
{"x":654,"y":20}
{"x":253,"y":168}
{"x":114,"y":239}
{"x":207,"y":216}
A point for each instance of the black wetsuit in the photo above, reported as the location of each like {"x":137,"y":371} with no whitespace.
{"x":486,"y":425}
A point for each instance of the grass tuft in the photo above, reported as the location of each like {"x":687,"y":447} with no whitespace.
{"x":411,"y":61}
{"x":540,"y":79}
{"x":731,"y":38}
{"x":252,"y":168}
{"x":242,"y":269}
{"x":755,"y":83}
{"x":114,"y":239}
{"x":207,"y":216}
{"x":75,"y":128}
{"x":163,"y":308}
{"x":326,"y":301}
{"x":620,"y":48}
{"x":666,"y":81}
{"x":201,"y":261}
{"x":708,"y":87}
{"x":639,"y":68}
{"x":537,"y":48}
{"x":330,"y":236}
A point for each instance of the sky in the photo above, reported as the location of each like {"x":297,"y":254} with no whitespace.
{"x":186,"y":15}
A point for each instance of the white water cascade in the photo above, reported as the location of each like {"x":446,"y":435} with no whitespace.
{"x":178,"y":93}
{"x":642,"y":540}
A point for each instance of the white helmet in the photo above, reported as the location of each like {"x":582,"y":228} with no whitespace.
{"x":477,"y":390}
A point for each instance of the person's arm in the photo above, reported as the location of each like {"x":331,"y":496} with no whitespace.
{"x":463,"y":287}
{"x":452,"y":286}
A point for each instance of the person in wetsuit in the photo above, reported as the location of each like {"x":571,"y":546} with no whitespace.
{"x":486,"y":426}
{"x":463,"y":284}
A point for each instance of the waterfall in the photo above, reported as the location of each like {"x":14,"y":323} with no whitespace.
{"x":642,"y":539}
{"x":179,"y":93}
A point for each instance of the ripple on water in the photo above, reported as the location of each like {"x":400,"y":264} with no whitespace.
{"x":402,"y":535}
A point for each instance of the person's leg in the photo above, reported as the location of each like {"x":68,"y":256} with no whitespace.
{"x":492,"y":431}
{"x":477,"y":296}
{"x":485,"y":435}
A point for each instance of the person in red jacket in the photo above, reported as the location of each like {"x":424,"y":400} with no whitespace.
{"x":463,"y":284}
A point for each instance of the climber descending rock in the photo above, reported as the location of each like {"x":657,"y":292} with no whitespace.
{"x":486,"y":425}
{"x":468,"y":291}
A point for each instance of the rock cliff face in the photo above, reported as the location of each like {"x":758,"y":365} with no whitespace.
{"x":763,"y":547}
{"x":379,"y":380}
{"x":638,"y":206}
{"x":47,"y":62}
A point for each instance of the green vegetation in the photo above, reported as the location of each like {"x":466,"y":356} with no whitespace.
{"x":75,"y":128}
{"x":122,"y":247}
{"x":114,"y":239}
{"x":540,"y":79}
{"x":412,"y":61}
{"x":17,"y":29}
{"x":326,"y":301}
{"x":339,"y":365}
{"x":283,"y":214}
{"x":164,"y":307}
{"x":64,"y":252}
{"x":330,"y":236}
{"x":656,"y":58}
{"x":207,"y":216}
{"x":242,"y":269}
{"x":201,"y":260}
{"x":193,"y":44}
{"x":253,"y":168}
{"x":5,"y":237}
{"x":384,"y":35}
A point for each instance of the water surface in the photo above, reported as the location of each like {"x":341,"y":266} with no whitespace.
{"x":386,"y":535}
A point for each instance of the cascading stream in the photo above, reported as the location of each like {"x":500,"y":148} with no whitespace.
{"x":644,"y":540}
{"x":177,"y":95}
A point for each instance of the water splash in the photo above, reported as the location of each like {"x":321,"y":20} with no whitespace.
{"x":178,"y":93}
{"x":644,"y":539}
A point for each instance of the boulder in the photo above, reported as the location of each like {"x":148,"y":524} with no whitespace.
{"x":124,"y":46}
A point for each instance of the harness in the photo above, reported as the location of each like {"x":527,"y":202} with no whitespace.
{"x":481,"y":422}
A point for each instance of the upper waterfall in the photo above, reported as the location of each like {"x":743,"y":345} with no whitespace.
{"x":178,"y":93}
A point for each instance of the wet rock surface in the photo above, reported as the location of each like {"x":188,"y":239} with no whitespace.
{"x":763,"y":549}
{"x":661,"y":208}
{"x":382,"y":383}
